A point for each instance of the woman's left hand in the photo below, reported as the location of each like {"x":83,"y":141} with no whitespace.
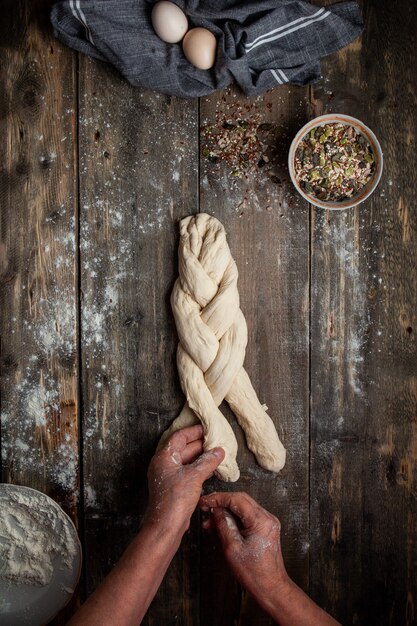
{"x":176,"y":475}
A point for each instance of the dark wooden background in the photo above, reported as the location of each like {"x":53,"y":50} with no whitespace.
{"x":94,"y":175}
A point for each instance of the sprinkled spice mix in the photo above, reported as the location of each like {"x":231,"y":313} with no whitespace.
{"x":243,"y":142}
{"x":333,"y":162}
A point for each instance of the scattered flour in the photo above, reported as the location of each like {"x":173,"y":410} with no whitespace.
{"x":54,"y":328}
{"x":33,"y":420}
{"x":34,"y":531}
{"x":345,"y":246}
{"x":93,"y":318}
{"x":64,"y":470}
{"x":90,"y":496}
{"x":354,"y":361}
{"x":36,"y":400}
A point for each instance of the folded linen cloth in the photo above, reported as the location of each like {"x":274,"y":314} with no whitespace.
{"x":260,"y":43}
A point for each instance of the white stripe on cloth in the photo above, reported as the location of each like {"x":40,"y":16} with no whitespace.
{"x":283,"y":76}
{"x":277,"y":78}
{"x":285,"y":26}
{"x":291,"y":30}
{"x":79,"y":15}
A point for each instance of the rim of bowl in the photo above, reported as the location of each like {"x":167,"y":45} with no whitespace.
{"x":367,"y":190}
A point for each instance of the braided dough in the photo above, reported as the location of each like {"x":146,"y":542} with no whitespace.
{"x":213,"y":336}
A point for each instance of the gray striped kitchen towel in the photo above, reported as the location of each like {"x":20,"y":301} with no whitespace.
{"x":261,"y":43}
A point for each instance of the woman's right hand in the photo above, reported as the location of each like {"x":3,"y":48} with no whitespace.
{"x":252,"y":546}
{"x":251,"y":542}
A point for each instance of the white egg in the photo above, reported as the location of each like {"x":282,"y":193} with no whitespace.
{"x":169,"y":22}
{"x":199,"y":47}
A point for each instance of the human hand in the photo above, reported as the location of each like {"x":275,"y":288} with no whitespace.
{"x":251,"y":542}
{"x":175,"y":477}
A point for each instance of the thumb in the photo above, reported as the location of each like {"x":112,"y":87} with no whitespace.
{"x":208,"y":462}
{"x":226,"y":527}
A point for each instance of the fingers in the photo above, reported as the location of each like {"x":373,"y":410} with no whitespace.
{"x":208,"y":462}
{"x":226,"y":527}
{"x":207,"y":523}
{"x":192,"y":451}
{"x":240,"y":504}
{"x":178,"y":441}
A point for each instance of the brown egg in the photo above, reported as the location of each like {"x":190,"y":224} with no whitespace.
{"x":199,"y":46}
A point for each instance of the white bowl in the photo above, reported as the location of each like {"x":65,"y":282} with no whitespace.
{"x":26,"y":603}
{"x":367,"y":190}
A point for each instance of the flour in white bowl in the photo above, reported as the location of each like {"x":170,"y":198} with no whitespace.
{"x":34,"y":531}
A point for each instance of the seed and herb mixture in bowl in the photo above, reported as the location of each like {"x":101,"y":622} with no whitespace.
{"x":335,"y":161}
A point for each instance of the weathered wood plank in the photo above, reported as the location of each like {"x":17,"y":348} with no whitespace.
{"x":363,"y":365}
{"x":39,"y":431}
{"x":138,"y":176}
{"x":363,"y":463}
{"x":268,"y":233}
{"x":38,"y":263}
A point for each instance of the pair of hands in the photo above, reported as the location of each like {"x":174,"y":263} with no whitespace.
{"x":250,"y":535}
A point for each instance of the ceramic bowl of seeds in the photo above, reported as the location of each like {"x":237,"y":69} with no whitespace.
{"x":335,"y":161}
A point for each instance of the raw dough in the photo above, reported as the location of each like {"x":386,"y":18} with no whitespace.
{"x":213,"y":336}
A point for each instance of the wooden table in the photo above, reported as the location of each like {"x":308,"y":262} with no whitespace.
{"x":94,"y":177}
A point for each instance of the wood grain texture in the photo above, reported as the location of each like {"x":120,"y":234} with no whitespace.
{"x":39,"y":430}
{"x":38,"y":198}
{"x":268,"y":233}
{"x":139,"y":172}
{"x":138,"y":176}
{"x":363,"y":366}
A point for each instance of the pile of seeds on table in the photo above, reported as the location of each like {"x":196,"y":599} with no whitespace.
{"x":333,"y":162}
{"x":244,"y":143}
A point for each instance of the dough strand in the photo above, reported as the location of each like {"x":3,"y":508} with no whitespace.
{"x":213,"y":336}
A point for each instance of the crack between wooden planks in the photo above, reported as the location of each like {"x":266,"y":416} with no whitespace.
{"x":77,"y":199}
{"x":199,"y":515}
{"x":310,"y":300}
{"x":199,"y":155}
